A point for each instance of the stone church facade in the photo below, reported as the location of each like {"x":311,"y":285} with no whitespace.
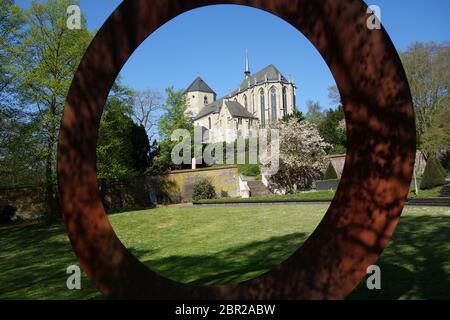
{"x":261,"y":98}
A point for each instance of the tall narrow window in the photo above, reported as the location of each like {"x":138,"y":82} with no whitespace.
{"x":209,"y":123}
{"x":205,"y":100}
{"x":253,"y":101}
{"x":273,"y":104}
{"x":262,"y":108}
{"x":245,"y":102}
{"x":284,"y":101}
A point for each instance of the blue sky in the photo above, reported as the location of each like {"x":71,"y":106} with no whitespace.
{"x":211,"y":42}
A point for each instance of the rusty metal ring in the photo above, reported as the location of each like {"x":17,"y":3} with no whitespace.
{"x":371,"y":194}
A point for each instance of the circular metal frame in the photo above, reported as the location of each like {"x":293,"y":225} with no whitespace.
{"x":373,"y":188}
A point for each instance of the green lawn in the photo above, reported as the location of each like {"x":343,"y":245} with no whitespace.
{"x":423,"y":194}
{"x":313,"y":195}
{"x":303,"y":196}
{"x":224,"y":244}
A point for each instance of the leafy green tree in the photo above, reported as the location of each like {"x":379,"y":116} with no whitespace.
{"x":173,"y":118}
{"x":14,"y":129}
{"x":123,"y":147}
{"x":11,"y":23}
{"x":21,"y":163}
{"x":332,"y":129}
{"x":50,"y":54}
{"x":437,"y":136}
{"x":427,"y":66}
{"x":434,"y":174}
{"x":114,"y":146}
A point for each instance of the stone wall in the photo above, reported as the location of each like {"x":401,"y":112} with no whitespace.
{"x":131,"y":194}
{"x":338,"y":162}
{"x":224,"y":179}
{"x":28,"y":202}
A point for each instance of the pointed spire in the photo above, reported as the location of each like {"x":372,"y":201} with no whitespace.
{"x":247,"y":65}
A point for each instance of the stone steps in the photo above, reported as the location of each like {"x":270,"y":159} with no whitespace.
{"x":441,"y":202}
{"x":257,"y":188}
{"x":445,"y":191}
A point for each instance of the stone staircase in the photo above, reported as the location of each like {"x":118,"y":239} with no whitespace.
{"x":445,"y":191}
{"x":257,"y":188}
{"x":442,"y":201}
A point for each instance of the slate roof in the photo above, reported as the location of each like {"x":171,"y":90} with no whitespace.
{"x":273,"y":74}
{"x":237,"y":110}
{"x":199,"y":85}
{"x":209,"y":108}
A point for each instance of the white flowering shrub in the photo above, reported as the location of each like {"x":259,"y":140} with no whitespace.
{"x":301,"y":156}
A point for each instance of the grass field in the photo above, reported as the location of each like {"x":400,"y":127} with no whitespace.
{"x":222,"y":245}
{"x":313,"y":195}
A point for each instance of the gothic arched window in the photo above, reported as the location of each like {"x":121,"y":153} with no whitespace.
{"x":273,"y":104}
{"x":245,"y":102}
{"x":205,"y":100}
{"x":284,"y":101}
{"x":262,"y":108}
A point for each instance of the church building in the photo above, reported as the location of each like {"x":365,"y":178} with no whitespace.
{"x":262,"y":97}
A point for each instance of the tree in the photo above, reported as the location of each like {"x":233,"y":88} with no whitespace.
{"x":437,"y":136}
{"x":141,"y":148}
{"x":21,"y":163}
{"x":123,"y":147}
{"x":434,"y":174}
{"x":427,"y":67}
{"x":173,"y":118}
{"x":145,"y":105}
{"x":334,"y":95}
{"x":314,"y":114}
{"x":11,"y":22}
{"x":14,"y":151}
{"x":50,"y":54}
{"x":297,"y":115}
{"x":330,"y":173}
{"x":332,"y":130}
{"x":301,"y":157}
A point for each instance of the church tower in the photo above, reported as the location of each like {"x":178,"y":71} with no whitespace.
{"x":247,"y":65}
{"x":198,"y":95}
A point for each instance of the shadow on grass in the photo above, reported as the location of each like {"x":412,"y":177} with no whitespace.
{"x":416,"y":264}
{"x":231,"y":265}
{"x":33,"y":262}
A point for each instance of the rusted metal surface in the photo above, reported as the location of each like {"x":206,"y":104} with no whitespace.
{"x":368,"y":202}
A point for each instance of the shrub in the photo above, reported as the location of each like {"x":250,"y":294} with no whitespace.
{"x":203,"y":189}
{"x":445,"y":162}
{"x":6,"y":213}
{"x":251,"y":170}
{"x":433,"y":175}
{"x":224,"y":194}
{"x":330,"y":173}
